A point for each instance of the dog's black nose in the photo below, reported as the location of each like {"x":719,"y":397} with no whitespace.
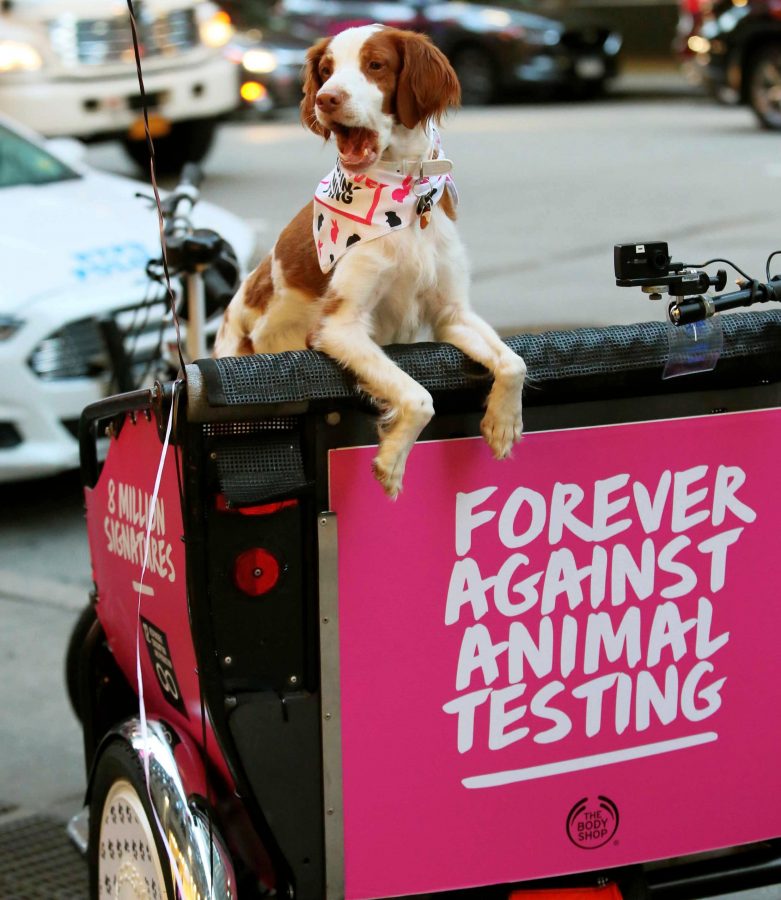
{"x":330,"y":101}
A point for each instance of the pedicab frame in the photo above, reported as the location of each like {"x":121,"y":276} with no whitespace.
{"x":257,"y":432}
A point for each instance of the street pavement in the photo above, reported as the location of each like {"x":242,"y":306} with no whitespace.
{"x":546,"y":189}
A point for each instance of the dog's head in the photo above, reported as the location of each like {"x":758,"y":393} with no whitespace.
{"x":366,"y":81}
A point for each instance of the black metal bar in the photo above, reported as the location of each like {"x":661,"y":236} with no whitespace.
{"x":99,"y":411}
{"x":120,"y":361}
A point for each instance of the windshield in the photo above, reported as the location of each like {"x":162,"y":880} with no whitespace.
{"x":24,"y":163}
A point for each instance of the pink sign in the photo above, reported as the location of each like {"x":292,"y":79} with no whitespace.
{"x":562,"y":662}
{"x":148,"y":615}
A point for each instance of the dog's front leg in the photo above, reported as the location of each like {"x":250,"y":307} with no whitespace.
{"x":344,"y":334}
{"x":502,"y":424}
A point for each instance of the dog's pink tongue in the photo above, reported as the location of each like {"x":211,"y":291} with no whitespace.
{"x":358,"y":149}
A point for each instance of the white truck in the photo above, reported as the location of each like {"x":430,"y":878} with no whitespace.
{"x":67,"y":67}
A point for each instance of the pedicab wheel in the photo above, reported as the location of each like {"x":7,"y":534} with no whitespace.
{"x":79,"y":634}
{"x":127,"y":856}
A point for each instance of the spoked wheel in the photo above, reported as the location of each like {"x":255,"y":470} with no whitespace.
{"x":764,"y":88}
{"x":127,"y":857}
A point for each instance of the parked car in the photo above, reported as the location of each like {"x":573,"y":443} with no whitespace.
{"x":734,"y":49}
{"x":67,"y":68}
{"x":269,"y":68}
{"x":74,"y":245}
{"x":269,"y":58}
{"x":493,"y":48}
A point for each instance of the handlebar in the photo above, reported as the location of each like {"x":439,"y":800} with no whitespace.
{"x":695,"y":309}
{"x":188,"y":189}
{"x":192,"y":174}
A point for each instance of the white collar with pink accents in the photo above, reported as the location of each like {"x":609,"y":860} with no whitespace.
{"x":349,"y":209}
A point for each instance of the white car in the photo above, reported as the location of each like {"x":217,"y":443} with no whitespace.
{"x":74,"y":244}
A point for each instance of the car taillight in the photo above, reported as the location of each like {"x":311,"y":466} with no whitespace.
{"x":255,"y":571}
{"x":774,"y":8}
{"x":695,"y":7}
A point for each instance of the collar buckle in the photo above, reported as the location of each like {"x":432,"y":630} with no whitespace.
{"x":426,"y":168}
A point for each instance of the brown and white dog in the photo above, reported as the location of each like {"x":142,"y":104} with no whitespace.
{"x":378,"y":91}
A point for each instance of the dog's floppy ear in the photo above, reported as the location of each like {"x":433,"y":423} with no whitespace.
{"x":427,"y":85}
{"x":312,"y":84}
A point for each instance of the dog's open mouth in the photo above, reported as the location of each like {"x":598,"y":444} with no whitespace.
{"x":358,"y":147}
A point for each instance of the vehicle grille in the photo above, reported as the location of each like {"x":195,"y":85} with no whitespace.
{"x":129,"y":340}
{"x":107,"y":40}
{"x":585,"y":39}
{"x":75,"y":351}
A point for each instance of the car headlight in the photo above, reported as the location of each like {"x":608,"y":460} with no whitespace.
{"x":613,"y":43}
{"x":216,"y":30}
{"x":8,"y":327}
{"x":496,"y":18}
{"x":19,"y":56}
{"x":698,"y":44}
{"x":260,"y":61}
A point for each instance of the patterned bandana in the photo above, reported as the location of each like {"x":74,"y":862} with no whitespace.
{"x":353,"y":208}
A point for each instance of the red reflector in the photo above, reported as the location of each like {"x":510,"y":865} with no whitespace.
{"x":255,"y":572}
{"x":266,"y":509}
{"x":604,"y":892}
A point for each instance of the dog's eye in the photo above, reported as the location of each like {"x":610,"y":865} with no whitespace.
{"x":375,"y":65}
{"x":325,"y":72}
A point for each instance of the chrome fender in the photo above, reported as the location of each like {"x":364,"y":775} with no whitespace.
{"x":193,"y":851}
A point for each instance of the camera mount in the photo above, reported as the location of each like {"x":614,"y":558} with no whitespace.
{"x":649,"y":266}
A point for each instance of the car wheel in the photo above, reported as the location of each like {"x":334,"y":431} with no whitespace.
{"x":187,"y":141}
{"x":476,"y":73}
{"x":764,"y":87}
{"x":79,"y":633}
{"x":127,"y":856}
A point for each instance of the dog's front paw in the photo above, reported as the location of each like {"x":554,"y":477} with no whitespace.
{"x":502,"y":429}
{"x":389,"y":473}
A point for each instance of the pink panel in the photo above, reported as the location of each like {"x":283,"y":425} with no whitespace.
{"x":564,"y":661}
{"x":117,"y":511}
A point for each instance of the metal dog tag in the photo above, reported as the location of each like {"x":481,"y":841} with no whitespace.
{"x":423,"y":208}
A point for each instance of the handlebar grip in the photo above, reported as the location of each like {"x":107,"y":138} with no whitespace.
{"x":192,"y":174}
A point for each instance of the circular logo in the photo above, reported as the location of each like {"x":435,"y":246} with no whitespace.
{"x":592,"y":822}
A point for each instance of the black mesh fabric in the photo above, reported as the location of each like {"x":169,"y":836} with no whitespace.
{"x":553,"y":355}
{"x":264,"y":468}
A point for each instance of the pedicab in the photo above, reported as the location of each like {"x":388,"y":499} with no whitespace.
{"x":550,"y":676}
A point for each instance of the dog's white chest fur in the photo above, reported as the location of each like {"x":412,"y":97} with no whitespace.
{"x":402,"y":313}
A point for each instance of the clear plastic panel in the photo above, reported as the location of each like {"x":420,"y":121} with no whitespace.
{"x":693,"y":348}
